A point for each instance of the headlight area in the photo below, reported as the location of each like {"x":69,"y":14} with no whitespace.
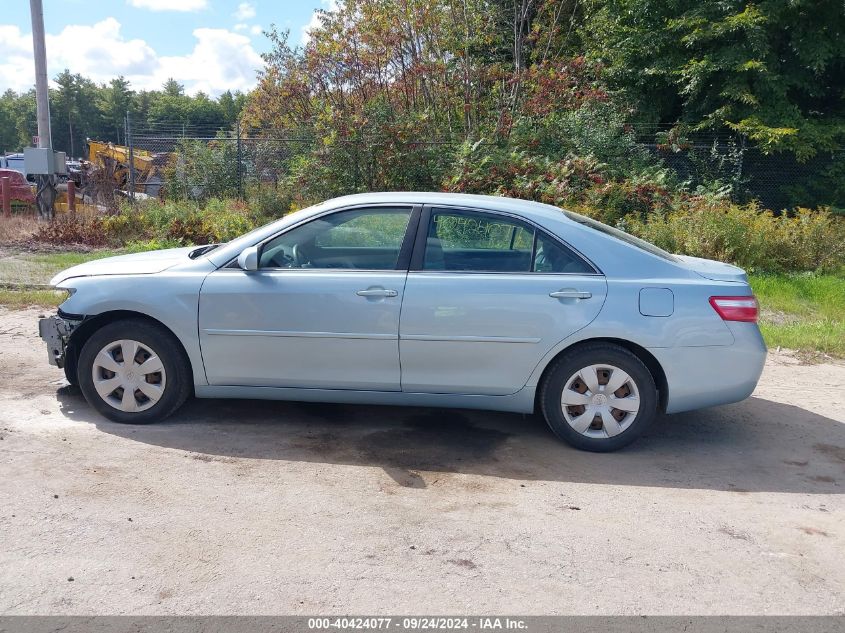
{"x":65,"y":293}
{"x":56,"y":330}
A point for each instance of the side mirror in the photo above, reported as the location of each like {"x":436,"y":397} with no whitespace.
{"x":248,"y":259}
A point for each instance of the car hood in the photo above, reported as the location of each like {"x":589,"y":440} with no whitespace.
{"x":145,"y":263}
{"x":712,"y":269}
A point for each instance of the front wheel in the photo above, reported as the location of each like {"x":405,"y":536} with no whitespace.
{"x":134,"y":372}
{"x":599,"y":397}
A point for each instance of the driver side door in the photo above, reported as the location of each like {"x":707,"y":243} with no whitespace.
{"x":321,"y":311}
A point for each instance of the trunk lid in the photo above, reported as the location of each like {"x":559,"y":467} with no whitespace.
{"x":712,"y":269}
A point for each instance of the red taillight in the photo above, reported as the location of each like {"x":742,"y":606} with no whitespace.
{"x":736,"y":308}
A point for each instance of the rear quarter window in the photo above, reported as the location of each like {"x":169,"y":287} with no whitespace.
{"x":620,"y":235}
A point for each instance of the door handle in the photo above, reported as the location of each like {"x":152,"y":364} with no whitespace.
{"x":570,"y":293}
{"x":377,"y":292}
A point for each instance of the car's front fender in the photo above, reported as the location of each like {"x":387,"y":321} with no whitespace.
{"x":171,"y":298}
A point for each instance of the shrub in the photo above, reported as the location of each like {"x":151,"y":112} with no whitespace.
{"x":160,"y":215}
{"x":489,"y":169}
{"x":574,"y":181}
{"x":268,"y":202}
{"x":125,"y":225}
{"x":170,"y":223}
{"x":155,"y":244}
{"x":597,"y":129}
{"x":754,"y":239}
{"x":702,"y":222}
{"x":203,"y":169}
{"x":227,"y":226}
{"x":614,"y":200}
{"x":190,"y":230}
{"x":73,"y":229}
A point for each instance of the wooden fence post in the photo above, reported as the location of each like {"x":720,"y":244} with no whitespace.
{"x":6,"y":186}
{"x":71,"y":195}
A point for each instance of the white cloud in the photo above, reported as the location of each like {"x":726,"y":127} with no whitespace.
{"x":245,"y":11}
{"x":17,"y":70}
{"x":220,"y":60}
{"x":243,"y":27}
{"x":99,"y":51}
{"x":316,"y":21}
{"x":169,"y":5}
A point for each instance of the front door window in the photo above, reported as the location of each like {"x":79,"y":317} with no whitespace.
{"x":357,"y":239}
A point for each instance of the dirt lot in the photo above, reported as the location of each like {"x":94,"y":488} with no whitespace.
{"x":264,"y":508}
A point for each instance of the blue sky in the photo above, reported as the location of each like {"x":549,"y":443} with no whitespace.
{"x":208,"y":45}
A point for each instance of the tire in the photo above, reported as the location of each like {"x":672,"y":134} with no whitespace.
{"x":156,"y":394}
{"x":608,"y":428}
{"x":71,"y":363}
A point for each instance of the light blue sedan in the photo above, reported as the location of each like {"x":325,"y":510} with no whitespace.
{"x":423,"y":299}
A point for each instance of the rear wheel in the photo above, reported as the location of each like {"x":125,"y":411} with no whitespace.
{"x":134,"y":372}
{"x":598,"y":397}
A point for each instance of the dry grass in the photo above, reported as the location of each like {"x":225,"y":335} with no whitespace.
{"x":18,"y":228}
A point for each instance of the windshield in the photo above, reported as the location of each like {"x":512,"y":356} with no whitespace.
{"x":620,"y":235}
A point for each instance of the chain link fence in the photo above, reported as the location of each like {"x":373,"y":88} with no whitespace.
{"x":196,"y":161}
{"x":775,"y":181}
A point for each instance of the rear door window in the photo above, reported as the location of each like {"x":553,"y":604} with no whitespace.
{"x":467,"y":240}
{"x":551,"y":256}
{"x":474,"y":241}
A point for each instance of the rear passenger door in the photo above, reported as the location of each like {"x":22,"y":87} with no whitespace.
{"x":488,"y":294}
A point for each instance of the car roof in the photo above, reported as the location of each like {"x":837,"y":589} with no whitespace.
{"x":526,"y":208}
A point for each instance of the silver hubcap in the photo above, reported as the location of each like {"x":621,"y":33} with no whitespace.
{"x":129,"y":376}
{"x":600,"y":401}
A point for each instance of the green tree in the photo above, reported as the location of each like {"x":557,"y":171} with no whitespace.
{"x":203,"y":169}
{"x":183,"y":110}
{"x":773,"y":70}
{"x":26,"y":122}
{"x":73,"y":112}
{"x":142,"y":100}
{"x":173,"y":88}
{"x":231,"y":105}
{"x":9,"y":139}
{"x":114,"y":100}
{"x":64,"y":111}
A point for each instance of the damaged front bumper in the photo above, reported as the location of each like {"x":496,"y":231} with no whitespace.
{"x":56,"y":331}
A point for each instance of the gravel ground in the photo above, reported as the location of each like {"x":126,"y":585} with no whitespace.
{"x":237,"y":507}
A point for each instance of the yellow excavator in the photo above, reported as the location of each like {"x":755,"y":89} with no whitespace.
{"x":108,"y":165}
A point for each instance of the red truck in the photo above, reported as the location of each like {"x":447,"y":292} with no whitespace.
{"x":21,"y":189}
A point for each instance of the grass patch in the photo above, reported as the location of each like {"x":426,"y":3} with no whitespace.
{"x":17,"y":299}
{"x":21,"y":267}
{"x":805,"y":312}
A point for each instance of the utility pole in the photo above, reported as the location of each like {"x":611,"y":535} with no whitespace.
{"x":42,"y":95}
{"x":46,"y":193}
{"x":131,"y":157}
{"x":239,"y":158}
